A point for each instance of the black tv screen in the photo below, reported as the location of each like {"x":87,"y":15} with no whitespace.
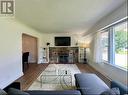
{"x":62,"y":41}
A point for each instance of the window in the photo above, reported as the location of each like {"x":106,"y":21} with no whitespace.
{"x":105,"y":45}
{"x":115,"y":45}
{"x":121,"y":47}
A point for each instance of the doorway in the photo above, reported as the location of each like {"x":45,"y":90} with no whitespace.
{"x":29,"y":44}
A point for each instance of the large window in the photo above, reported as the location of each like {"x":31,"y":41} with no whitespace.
{"x":121,"y":47}
{"x":115,"y":45}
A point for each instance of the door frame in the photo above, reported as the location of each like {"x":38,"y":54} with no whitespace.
{"x":36,"y":44}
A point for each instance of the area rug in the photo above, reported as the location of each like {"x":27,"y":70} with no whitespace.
{"x":56,"y":77}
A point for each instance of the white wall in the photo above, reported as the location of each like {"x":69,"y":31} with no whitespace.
{"x":113,"y":72}
{"x":11,"y":49}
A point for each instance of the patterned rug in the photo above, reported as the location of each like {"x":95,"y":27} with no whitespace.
{"x":56,"y":77}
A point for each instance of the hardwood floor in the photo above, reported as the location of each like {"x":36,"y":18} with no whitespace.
{"x":31,"y":75}
{"x":35,"y":70}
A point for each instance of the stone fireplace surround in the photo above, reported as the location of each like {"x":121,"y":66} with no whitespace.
{"x":63,"y":54}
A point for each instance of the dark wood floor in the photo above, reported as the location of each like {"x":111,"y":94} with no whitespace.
{"x":31,"y":75}
{"x":35,"y":70}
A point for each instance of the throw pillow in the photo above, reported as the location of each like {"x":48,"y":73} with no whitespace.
{"x":2,"y":92}
{"x":116,"y":90}
{"x":13,"y":91}
{"x":113,"y":91}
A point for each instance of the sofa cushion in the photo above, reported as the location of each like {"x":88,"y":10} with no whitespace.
{"x":90,"y":84}
{"x":60,"y":92}
{"x":123,"y":89}
{"x":2,"y":92}
{"x":13,"y":91}
{"x":113,"y":91}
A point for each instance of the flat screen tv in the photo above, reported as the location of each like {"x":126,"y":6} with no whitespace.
{"x":62,"y":41}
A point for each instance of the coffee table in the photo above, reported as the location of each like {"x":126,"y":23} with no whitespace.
{"x":61,"y":77}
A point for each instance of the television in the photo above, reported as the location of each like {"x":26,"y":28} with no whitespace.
{"x":62,"y":41}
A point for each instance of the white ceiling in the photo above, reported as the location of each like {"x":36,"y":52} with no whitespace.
{"x":52,"y":16}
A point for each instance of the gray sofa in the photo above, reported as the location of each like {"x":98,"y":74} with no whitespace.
{"x":91,"y":84}
{"x":64,"y":92}
{"x":87,"y":84}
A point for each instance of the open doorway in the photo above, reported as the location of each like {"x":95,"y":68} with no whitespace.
{"x":29,"y":44}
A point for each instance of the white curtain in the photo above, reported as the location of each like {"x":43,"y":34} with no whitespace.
{"x":97,"y":49}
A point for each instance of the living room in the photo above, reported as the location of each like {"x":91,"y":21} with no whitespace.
{"x":81,"y":21}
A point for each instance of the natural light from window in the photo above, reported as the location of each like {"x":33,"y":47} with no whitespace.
{"x":115,"y":45}
{"x":121,"y":46}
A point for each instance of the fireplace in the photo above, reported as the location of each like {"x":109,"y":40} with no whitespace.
{"x":63,"y":59}
{"x":63,"y":54}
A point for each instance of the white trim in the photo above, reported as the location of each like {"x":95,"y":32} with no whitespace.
{"x":113,"y":23}
{"x":116,"y":66}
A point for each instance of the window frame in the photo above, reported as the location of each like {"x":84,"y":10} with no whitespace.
{"x":111,"y":45}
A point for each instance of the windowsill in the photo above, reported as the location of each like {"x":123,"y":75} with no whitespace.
{"x":118,"y":67}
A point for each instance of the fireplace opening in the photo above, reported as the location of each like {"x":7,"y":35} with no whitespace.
{"x":63,"y":58}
